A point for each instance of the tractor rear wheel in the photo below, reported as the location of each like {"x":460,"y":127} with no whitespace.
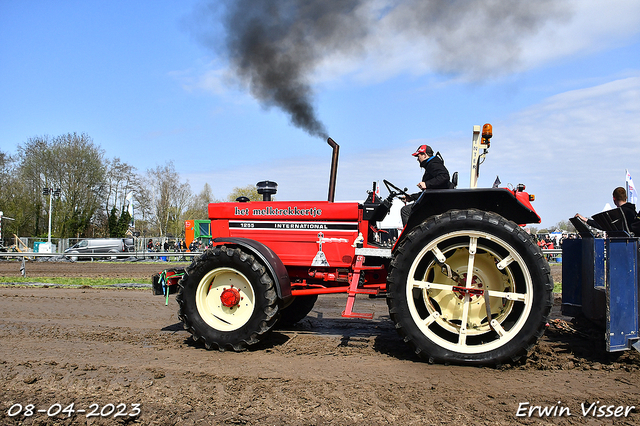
{"x":227,"y":299}
{"x":469,"y":287}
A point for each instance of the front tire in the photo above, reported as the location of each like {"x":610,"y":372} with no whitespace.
{"x":445,"y":318}
{"x":227,"y":299}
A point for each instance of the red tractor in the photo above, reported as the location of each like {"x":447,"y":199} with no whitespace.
{"x":464,"y":282}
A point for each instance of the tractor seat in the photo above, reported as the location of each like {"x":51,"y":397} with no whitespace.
{"x":613,"y":222}
{"x":454,"y":181}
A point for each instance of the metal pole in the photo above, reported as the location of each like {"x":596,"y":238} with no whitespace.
{"x":475,"y":157}
{"x":50,"y":198}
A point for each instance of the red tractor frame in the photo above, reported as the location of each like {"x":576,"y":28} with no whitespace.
{"x":464,"y":282}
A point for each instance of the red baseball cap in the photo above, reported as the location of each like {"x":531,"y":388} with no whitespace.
{"x":422,"y":149}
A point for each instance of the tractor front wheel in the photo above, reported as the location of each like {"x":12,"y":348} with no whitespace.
{"x":227,"y":299}
{"x":469,"y":287}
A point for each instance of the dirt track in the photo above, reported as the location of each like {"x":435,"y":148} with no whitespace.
{"x":88,"y":346}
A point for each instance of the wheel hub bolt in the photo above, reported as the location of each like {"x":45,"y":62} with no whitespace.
{"x":230,"y":297}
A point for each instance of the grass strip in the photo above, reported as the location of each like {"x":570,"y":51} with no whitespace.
{"x":77,"y":281}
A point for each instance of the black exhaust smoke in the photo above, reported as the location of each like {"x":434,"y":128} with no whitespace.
{"x":275,"y":46}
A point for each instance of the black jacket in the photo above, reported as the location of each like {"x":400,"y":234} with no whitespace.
{"x":633,"y":218}
{"x":629,"y":210}
{"x":436,"y":175}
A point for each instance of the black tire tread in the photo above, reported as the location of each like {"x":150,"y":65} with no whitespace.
{"x":268,"y":313}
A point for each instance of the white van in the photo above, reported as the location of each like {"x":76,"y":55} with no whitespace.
{"x":99,"y":245}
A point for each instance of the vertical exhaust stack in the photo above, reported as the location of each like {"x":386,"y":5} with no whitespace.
{"x":334,"y":169}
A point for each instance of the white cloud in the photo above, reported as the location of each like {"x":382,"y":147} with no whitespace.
{"x":575,"y":27}
{"x":212,"y":77}
{"x":594,"y":26}
{"x":208,"y":79}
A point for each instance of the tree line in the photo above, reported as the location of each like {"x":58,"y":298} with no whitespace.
{"x":97,"y":194}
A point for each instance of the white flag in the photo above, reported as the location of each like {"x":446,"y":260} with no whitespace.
{"x":632,"y":193}
{"x":129,"y":199}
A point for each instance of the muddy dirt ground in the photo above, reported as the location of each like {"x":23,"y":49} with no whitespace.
{"x":95,"y":347}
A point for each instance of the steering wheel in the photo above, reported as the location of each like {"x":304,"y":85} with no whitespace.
{"x":394,"y":191}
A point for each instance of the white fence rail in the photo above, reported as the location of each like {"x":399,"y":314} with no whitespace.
{"x":133,"y":256}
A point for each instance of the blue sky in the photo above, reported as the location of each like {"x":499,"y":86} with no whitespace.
{"x":142,"y":81}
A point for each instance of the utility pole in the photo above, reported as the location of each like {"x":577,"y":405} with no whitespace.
{"x":50,"y":192}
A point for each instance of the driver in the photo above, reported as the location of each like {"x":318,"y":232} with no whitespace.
{"x":436,"y":176}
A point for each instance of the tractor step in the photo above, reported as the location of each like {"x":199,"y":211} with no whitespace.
{"x":356,"y":315}
{"x":354,"y":289}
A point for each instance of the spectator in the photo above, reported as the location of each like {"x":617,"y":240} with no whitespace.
{"x":628,"y":209}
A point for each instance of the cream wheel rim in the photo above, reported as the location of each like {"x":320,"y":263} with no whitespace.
{"x":453,"y":314}
{"x":209,"y":303}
